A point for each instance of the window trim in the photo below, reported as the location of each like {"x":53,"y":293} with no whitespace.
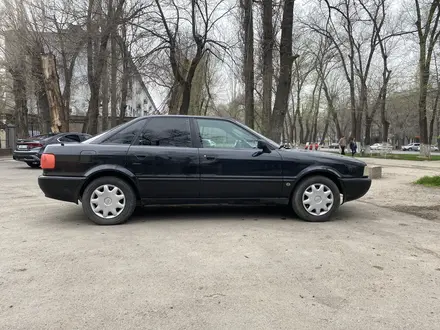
{"x":197,"y":137}
{"x":191,"y":132}
{"x":66,"y":136}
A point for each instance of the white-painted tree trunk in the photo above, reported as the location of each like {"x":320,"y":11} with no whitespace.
{"x":425,"y":150}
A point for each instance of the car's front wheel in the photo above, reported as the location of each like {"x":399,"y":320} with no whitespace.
{"x":316,"y":198}
{"x":33,"y":164}
{"x":108,"y":201}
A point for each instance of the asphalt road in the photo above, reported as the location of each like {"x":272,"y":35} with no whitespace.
{"x":212,"y":268}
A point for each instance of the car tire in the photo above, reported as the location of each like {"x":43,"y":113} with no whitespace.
{"x":306,"y":185}
{"x":33,"y":165}
{"x":98,"y":186}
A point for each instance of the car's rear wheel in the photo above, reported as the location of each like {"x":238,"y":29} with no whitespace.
{"x":316,"y":198}
{"x":33,"y":164}
{"x":108,"y":201}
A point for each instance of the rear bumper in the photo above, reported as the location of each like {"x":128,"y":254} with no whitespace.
{"x":355,"y":188}
{"x":61,"y":188}
{"x":26,"y":156}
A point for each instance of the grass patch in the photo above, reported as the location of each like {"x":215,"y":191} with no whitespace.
{"x":429,"y":181}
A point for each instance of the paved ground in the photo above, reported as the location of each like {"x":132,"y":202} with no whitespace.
{"x":183,"y":268}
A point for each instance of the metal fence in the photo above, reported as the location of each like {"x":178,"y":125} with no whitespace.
{"x":8,"y":138}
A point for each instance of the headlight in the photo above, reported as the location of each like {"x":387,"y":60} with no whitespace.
{"x":366,"y":172}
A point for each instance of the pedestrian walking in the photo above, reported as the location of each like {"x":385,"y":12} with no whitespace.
{"x":342,"y":144}
{"x":353,"y":147}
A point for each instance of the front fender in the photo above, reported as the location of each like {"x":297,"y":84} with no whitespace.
{"x":312,"y":170}
{"x":317,"y":169}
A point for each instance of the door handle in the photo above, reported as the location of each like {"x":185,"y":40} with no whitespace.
{"x":209,"y":157}
{"x":141,"y":156}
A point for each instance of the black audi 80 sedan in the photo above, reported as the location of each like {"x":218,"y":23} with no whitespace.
{"x":175,"y":160}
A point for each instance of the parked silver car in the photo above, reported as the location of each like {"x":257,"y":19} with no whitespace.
{"x":411,"y":147}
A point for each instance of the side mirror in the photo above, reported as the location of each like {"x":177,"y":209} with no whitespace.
{"x":263,"y":146}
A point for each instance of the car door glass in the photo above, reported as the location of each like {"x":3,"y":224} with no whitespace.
{"x":126,"y":135}
{"x":216,"y":133}
{"x":167,"y":132}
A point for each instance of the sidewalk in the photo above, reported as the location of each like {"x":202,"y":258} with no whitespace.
{"x":428,"y":165}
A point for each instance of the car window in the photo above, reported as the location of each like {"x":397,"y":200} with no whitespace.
{"x":69,"y":138}
{"x":167,"y":132}
{"x":224,"y":134}
{"x":85,"y":137}
{"x":126,"y":135}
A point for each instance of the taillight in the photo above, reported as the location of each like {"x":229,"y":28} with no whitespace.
{"x":34,"y":145}
{"x":47,"y":161}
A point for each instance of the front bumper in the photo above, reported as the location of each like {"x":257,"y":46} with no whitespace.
{"x":355,"y":188}
{"x":27,"y":156}
{"x":61,"y":188}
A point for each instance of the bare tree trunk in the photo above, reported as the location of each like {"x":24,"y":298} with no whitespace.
{"x":53,"y":92}
{"x":113,"y":87}
{"x":96,"y":57}
{"x":267,"y":51}
{"x":105,"y":94}
{"x":186,"y":96}
{"x":316,"y":114}
{"x":20,"y":100}
{"x":423,"y":88}
{"x":285,"y":78}
{"x":175,"y":98}
{"x":327,"y":122}
{"x":368,"y":124}
{"x":434,"y":116}
{"x":248,"y":69}
{"x":124,"y":81}
{"x":40,"y":91}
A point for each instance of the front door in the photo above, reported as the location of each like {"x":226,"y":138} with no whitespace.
{"x":165,"y":161}
{"x":230,"y":165}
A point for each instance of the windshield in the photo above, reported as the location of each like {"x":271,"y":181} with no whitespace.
{"x":276,"y":145}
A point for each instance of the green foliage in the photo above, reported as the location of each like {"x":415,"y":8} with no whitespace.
{"x":429,"y":181}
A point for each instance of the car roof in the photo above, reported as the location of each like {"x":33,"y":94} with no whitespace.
{"x":190,"y":116}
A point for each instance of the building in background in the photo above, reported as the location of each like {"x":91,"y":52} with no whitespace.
{"x":139,"y":101}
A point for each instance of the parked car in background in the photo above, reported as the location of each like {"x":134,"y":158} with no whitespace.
{"x":165,"y":160}
{"x":334,"y":145}
{"x":433,"y":148}
{"x":411,"y":147}
{"x":381,"y":147}
{"x":376,"y":146}
{"x":30,"y":150}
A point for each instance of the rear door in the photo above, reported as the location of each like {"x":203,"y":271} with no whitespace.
{"x":165,"y":160}
{"x":231,"y":168}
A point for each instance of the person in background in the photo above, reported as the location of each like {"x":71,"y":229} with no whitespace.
{"x":342,"y":144}
{"x":316,"y":145}
{"x":353,"y":147}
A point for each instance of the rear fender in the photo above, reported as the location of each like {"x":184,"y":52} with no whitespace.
{"x":110,"y":170}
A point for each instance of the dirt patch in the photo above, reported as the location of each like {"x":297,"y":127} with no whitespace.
{"x":425,"y":212}
{"x":396,"y":190}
